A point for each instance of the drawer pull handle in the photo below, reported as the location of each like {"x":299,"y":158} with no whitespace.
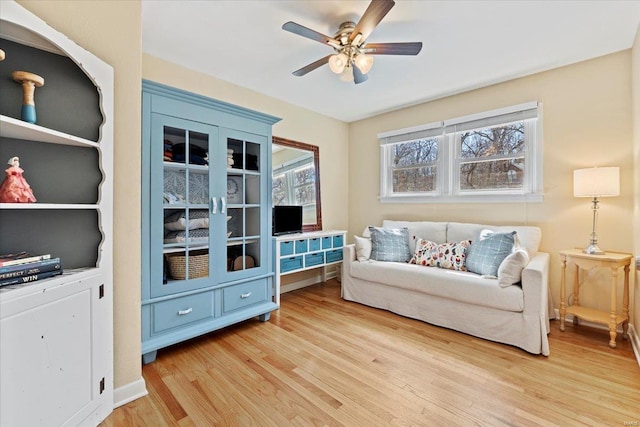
{"x":183,"y":312}
{"x":247,"y":295}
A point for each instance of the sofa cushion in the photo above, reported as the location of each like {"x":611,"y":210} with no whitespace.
{"x":455,"y":285}
{"x":428,"y":230}
{"x":528,"y":237}
{"x":510,"y":271}
{"x":389,"y":244}
{"x":488,"y":251}
{"x":363,"y":248}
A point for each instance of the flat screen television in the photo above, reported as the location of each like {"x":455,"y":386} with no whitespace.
{"x":287,"y":219}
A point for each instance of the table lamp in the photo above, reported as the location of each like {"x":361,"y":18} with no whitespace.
{"x":596,"y":182}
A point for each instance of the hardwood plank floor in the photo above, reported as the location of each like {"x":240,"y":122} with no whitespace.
{"x":323,"y":361}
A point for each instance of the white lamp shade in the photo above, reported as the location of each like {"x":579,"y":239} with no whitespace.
{"x":364,"y":62}
{"x":338,"y":62}
{"x":347,"y":75}
{"x":596,"y":182}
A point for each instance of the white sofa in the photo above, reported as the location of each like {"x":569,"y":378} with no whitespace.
{"x":517,"y":315}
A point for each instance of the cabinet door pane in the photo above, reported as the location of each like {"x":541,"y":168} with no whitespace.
{"x":247,"y":205}
{"x":181,"y":220}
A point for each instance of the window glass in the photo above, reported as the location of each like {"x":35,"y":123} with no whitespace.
{"x":491,"y":156}
{"x":414,"y":168}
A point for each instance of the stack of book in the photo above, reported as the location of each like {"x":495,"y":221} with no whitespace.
{"x":23,"y":267}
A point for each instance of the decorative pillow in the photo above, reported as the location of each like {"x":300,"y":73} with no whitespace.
{"x":198,"y":218}
{"x":450,"y":255}
{"x":426,"y":253}
{"x":390,"y":244}
{"x":453,"y":255}
{"x":510,"y":270}
{"x":363,"y":248}
{"x":487,"y":252}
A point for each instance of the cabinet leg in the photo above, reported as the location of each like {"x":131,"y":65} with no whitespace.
{"x":625,"y":330}
{"x":149,"y":357}
{"x":265,"y":317}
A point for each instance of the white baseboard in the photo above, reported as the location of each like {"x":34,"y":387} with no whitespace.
{"x":633,"y":334}
{"x":129,"y":392}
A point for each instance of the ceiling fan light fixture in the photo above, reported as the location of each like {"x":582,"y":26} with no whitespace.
{"x":338,"y":62}
{"x":347,"y":75}
{"x":364,"y":62}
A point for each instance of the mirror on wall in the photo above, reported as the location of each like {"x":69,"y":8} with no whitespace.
{"x":296,"y":179}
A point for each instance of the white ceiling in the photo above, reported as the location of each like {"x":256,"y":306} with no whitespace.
{"x":466,"y":45}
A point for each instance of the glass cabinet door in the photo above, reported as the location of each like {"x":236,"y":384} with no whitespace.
{"x":247,"y":204}
{"x":182,"y":211}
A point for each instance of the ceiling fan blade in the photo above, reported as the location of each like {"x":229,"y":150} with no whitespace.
{"x":308,"y":33}
{"x":317,"y":64}
{"x":372,"y":16}
{"x":411,"y":48}
{"x":358,"y":77}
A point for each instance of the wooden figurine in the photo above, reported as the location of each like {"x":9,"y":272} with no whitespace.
{"x":14,"y":188}
{"x":29,"y":83}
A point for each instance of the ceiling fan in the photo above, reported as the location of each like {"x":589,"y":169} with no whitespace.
{"x":352,"y":59}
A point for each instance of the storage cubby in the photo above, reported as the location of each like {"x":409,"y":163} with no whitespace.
{"x":56,"y":334}
{"x":304,"y":251}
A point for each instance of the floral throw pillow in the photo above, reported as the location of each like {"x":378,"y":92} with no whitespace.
{"x":453,"y":255}
{"x":426,"y":253}
{"x":450,"y":255}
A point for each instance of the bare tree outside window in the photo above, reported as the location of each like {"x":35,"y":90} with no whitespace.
{"x":492,"y":158}
{"x":304,"y":186}
{"x":296,"y":186}
{"x":414,"y":166}
{"x":279,"y":187}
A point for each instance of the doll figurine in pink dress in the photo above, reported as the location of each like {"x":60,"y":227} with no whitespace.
{"x":14,"y":188}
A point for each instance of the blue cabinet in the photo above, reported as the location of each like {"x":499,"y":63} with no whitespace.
{"x":206,"y":182}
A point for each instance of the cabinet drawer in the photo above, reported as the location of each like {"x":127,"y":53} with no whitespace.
{"x":301,"y":246}
{"x":314,"y":244}
{"x":286,"y":248}
{"x":180,"y":311}
{"x":313,"y":259}
{"x":243,"y":295}
{"x":334,"y":255}
{"x":326,"y":242}
{"x":291,"y":263}
{"x":338,"y":241}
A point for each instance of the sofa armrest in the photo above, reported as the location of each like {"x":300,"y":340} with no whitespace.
{"x":348,"y":254}
{"x":535,"y":285}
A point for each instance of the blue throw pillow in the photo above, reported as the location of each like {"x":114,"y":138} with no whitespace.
{"x":390,"y":244}
{"x":486,"y":253}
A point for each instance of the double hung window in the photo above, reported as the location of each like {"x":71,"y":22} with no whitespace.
{"x":294,"y":183}
{"x":489,"y":157}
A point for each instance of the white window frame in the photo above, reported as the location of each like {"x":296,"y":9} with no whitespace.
{"x":448,"y":162}
{"x":289,"y":169}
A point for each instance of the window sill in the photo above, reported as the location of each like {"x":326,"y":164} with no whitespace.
{"x":476,"y":198}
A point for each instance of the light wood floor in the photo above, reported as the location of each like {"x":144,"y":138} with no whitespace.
{"x":321,"y":361}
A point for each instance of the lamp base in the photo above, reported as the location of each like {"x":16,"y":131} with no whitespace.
{"x":593,"y":249}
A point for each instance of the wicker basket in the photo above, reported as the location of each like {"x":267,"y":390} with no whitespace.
{"x":198,"y":265}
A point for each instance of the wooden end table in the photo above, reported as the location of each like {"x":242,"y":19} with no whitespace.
{"x":611,"y":260}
